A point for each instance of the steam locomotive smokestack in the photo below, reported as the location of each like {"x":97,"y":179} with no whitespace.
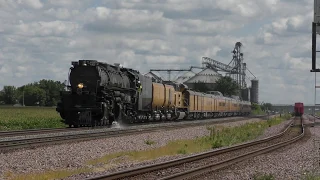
{"x":117,"y":65}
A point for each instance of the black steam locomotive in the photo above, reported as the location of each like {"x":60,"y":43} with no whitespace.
{"x":100,"y":94}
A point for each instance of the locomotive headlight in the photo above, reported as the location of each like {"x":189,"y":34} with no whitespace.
{"x":80,"y":85}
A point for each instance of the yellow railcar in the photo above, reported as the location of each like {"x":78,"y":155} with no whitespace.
{"x":168,"y":96}
{"x":195,"y":101}
{"x":178,"y":99}
{"x":158,"y":95}
{"x":221,"y":104}
{"x":214,"y":103}
{"x":208,"y":103}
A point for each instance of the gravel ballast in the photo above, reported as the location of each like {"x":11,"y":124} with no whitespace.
{"x":126,"y":127}
{"x":292,"y":162}
{"x":75,"y":155}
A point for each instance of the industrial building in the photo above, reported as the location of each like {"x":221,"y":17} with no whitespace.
{"x":209,"y":75}
{"x":185,"y":77}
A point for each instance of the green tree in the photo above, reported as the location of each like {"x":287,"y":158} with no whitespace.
{"x":201,"y":86}
{"x":255,"y":106}
{"x":256,"y":109}
{"x":52,"y":89}
{"x":1,"y":98}
{"x":9,"y":94}
{"x":43,"y":93}
{"x":33,"y":96}
{"x":266,"y":106}
{"x":227,"y":86}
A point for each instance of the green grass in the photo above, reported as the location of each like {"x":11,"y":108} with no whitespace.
{"x":258,"y":112}
{"x":149,"y":142}
{"x":310,"y":176}
{"x":60,"y":174}
{"x":218,"y":136}
{"x":16,"y":118}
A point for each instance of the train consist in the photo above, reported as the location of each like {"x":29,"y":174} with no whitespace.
{"x":101,"y":94}
{"x":298,"y":109}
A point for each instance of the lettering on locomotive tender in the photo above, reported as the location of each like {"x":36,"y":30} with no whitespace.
{"x":101,"y":94}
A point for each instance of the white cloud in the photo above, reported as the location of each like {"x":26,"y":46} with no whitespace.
{"x":52,"y":28}
{"x":60,"y":13}
{"x":39,"y":39}
{"x":36,"y":4}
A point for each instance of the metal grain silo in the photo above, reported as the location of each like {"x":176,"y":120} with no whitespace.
{"x":254,"y":91}
{"x":245,"y":94}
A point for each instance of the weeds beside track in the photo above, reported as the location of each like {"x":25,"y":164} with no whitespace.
{"x":202,"y":163}
{"x":8,"y":145}
{"x":55,"y":130}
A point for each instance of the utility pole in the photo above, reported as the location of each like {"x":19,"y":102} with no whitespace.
{"x":23,"y":98}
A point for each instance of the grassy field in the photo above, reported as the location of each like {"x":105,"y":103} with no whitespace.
{"x":15,"y":118}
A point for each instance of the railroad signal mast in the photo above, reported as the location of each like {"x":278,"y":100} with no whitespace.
{"x":315,"y":31}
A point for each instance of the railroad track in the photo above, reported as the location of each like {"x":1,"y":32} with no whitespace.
{"x":36,"y":131}
{"x":313,"y":120}
{"x":57,"y":130}
{"x":193,"y":166}
{"x":12,"y":144}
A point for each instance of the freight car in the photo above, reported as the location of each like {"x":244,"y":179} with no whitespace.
{"x":298,"y":109}
{"x":101,"y":94}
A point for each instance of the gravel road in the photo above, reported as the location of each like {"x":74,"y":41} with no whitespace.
{"x":75,"y":155}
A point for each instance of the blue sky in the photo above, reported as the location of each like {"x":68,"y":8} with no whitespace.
{"x":39,"y":39}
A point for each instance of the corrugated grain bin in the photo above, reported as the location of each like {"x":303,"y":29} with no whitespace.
{"x":254,"y":91}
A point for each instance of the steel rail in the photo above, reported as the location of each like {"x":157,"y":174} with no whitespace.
{"x":31,"y":142}
{"x":314,"y":120}
{"x":155,"y":167}
{"x":36,"y":131}
{"x":56,"y":130}
{"x":213,"y":167}
{"x":7,"y":145}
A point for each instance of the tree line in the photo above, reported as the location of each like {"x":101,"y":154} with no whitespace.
{"x":41,"y":93}
{"x":46,"y":92}
{"x":226,"y":85}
